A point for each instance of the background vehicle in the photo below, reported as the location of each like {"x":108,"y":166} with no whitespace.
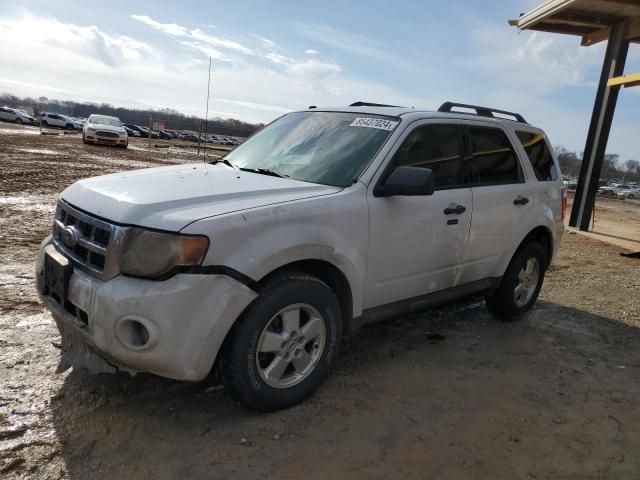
{"x":16,"y":116}
{"x":59,"y":121}
{"x":131,"y":132}
{"x":627,"y":191}
{"x":146,"y":132}
{"x":610,"y":190}
{"x":105,"y":130}
{"x":325,"y":220}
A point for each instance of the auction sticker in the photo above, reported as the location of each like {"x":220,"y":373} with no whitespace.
{"x":380,"y":123}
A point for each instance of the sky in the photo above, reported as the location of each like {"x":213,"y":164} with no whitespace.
{"x":269,"y":58}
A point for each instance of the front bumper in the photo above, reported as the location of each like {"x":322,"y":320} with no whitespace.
{"x":95,"y":137}
{"x":184,"y":321}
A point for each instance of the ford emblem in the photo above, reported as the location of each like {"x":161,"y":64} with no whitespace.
{"x":69,"y":236}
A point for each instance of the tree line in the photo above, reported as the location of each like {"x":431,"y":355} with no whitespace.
{"x":613,"y":168}
{"x":173,"y":120}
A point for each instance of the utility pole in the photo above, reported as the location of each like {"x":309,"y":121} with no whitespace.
{"x":149,"y":141}
{"x":206,"y":115}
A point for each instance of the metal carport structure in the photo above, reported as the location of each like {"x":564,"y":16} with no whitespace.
{"x":617,"y":22}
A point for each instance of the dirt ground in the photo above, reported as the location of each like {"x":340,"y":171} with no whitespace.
{"x":553,"y":396}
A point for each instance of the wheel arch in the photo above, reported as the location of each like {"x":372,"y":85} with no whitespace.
{"x":543,"y":235}
{"x":328,"y":273}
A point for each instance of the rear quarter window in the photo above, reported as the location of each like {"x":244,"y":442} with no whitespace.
{"x":539,"y":155}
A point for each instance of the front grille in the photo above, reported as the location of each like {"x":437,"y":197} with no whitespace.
{"x":103,"y":133}
{"x":92,"y":244}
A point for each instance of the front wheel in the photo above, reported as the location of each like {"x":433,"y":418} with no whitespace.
{"x":520,"y":284}
{"x":284,"y":345}
{"x":19,"y":121}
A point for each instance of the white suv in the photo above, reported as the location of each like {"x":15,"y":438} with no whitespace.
{"x":325,"y":220}
{"x":60,"y":121}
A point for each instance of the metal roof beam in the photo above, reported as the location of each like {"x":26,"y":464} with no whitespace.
{"x":629,"y":80}
{"x":631,"y":33}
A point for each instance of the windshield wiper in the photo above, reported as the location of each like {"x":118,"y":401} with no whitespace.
{"x":264,"y":171}
{"x":226,"y":162}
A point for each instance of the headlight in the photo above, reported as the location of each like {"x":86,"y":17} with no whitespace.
{"x":153,"y":254}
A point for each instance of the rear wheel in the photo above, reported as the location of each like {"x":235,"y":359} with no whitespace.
{"x":521,"y":283}
{"x":45,"y":123}
{"x":284,"y":345}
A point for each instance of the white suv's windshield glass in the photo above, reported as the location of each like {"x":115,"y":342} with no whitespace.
{"x":102,"y":120}
{"x":331,"y":148}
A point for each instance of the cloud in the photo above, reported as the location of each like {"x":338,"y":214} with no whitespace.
{"x":200,"y":40}
{"x":168,"y":28}
{"x":345,"y":41}
{"x":265,"y":41}
{"x":311,"y":52}
{"x":207,"y":50}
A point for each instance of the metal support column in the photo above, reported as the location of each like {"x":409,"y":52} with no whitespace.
{"x":601,"y":119}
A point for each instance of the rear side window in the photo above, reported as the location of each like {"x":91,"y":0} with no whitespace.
{"x":539,"y":155}
{"x":493,"y":160}
{"x":436,"y":147}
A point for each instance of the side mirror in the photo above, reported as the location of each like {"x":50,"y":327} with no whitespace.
{"x":407,"y":181}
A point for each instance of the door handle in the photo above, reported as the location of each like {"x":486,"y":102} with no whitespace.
{"x":453,"y":208}
{"x":521,"y":200}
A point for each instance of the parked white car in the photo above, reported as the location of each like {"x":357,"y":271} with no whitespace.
{"x":59,"y":121}
{"x":16,"y":116}
{"x":105,"y":130}
{"x":628,"y":192}
{"x":327,"y":219}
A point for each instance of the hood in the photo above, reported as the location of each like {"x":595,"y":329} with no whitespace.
{"x":105,"y":127}
{"x":170,"y":198}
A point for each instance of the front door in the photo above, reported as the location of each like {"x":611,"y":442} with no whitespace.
{"x":417,"y":244}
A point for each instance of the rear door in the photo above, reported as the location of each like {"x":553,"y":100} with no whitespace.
{"x":417,"y":243}
{"x":501,"y":197}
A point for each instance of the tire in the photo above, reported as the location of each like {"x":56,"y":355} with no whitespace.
{"x":255,"y":367}
{"x":84,"y":140}
{"x":18,"y":121}
{"x":504,"y":302}
{"x":69,"y":127}
{"x":45,"y":123}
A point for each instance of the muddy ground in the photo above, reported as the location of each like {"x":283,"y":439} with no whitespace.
{"x":553,"y":396}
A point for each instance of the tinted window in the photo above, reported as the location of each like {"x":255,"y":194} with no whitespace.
{"x":436,"y":147}
{"x":493,"y":159}
{"x":539,"y":155}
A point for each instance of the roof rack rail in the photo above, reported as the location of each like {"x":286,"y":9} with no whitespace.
{"x":481,"y":111}
{"x":369,"y":104}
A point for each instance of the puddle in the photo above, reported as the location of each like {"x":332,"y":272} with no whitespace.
{"x":41,"y":203}
{"x":42,"y":151}
{"x":19,"y":131}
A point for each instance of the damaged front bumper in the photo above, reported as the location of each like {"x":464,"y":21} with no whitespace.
{"x":173,"y":328}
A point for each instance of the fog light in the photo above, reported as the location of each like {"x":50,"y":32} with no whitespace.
{"x":136,"y":333}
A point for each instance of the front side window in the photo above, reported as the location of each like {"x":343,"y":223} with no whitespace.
{"x":436,"y":147}
{"x":330,"y":148}
{"x":493,"y":160}
{"x":539,"y":154}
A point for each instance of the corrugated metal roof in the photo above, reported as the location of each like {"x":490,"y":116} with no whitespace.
{"x":589,"y":19}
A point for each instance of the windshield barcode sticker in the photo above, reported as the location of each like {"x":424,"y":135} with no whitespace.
{"x":380,"y":123}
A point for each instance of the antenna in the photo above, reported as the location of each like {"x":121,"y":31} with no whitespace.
{"x":206,"y":115}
